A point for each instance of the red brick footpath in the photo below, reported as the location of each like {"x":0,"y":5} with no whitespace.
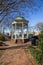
{"x":15,"y":56}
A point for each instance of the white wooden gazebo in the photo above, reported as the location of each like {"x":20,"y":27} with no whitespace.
{"x":20,"y":28}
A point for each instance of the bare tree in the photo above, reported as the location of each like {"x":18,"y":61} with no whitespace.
{"x":39,"y":26}
{"x":9,"y":6}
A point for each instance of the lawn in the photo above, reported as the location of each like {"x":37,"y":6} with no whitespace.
{"x":36,"y":54}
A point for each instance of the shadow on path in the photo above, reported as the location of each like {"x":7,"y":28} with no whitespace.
{"x":14,"y":47}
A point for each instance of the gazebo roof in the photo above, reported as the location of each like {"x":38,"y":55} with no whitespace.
{"x":20,"y":19}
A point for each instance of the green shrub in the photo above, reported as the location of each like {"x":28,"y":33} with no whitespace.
{"x":38,"y":54}
{"x":2,"y":37}
{"x":40,"y":43}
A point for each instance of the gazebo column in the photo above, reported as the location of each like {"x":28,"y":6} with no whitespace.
{"x":22,"y":32}
{"x":12,"y":32}
{"x":15,"y":30}
{"x":27,"y":30}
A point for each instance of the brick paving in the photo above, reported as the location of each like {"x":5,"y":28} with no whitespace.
{"x":15,"y":56}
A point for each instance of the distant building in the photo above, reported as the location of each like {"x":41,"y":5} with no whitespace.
{"x":37,"y":33}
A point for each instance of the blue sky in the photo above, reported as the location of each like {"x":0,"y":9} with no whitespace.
{"x":35,"y":17}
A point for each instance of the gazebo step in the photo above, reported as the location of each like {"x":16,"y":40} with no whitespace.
{"x":13,"y":40}
{"x":20,"y":41}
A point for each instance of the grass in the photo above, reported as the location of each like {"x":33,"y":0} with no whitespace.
{"x":30,"y":56}
{"x":36,"y":54}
